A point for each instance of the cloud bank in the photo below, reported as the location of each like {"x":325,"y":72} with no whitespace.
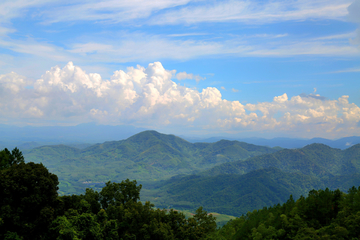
{"x":148,"y":97}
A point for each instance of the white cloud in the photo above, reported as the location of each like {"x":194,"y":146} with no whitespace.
{"x":148,"y":97}
{"x":186,"y":34}
{"x":337,"y":36}
{"x":132,"y":47}
{"x":175,"y":12}
{"x":354,"y":10}
{"x":306,"y":48}
{"x":234,"y":90}
{"x":281,"y":99}
{"x":32,"y":47}
{"x":14,"y":8}
{"x":137,"y":46}
{"x":254,"y":12}
{"x":265,"y":35}
{"x":183,"y":75}
{"x":112,"y":11}
{"x":347,"y":70}
{"x":354,"y":16}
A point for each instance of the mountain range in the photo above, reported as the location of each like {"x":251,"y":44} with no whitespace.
{"x":146,"y":156}
{"x":228,"y":177}
{"x":84,"y":135}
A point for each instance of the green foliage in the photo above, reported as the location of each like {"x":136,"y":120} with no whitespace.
{"x":28,"y":200}
{"x":323,"y":214}
{"x":124,"y":217}
{"x":119,"y":193}
{"x":7,"y":158}
{"x":31,"y":209}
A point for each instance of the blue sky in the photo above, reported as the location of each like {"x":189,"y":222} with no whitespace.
{"x":248,"y":68}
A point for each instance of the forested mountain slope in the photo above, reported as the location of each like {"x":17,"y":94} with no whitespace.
{"x":241,"y":186}
{"x":314,"y":159}
{"x":145,"y":156}
{"x":231,"y":194}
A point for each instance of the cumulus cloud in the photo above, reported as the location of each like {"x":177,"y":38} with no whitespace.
{"x":148,"y":97}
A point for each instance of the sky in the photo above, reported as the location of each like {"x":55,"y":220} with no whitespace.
{"x":246,"y":68}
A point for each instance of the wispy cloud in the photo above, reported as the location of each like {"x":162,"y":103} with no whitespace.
{"x":176,"y":12}
{"x":254,"y":12}
{"x":265,"y":35}
{"x":183,"y":75}
{"x":337,"y":36}
{"x":144,"y":47}
{"x":32,"y":47}
{"x":110,"y":11}
{"x":347,"y":70}
{"x":186,"y":34}
{"x":354,"y":16}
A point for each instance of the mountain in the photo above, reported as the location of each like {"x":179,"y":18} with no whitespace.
{"x":237,"y":187}
{"x":231,"y":194}
{"x":341,"y":143}
{"x":314,"y":159}
{"x":145,"y":156}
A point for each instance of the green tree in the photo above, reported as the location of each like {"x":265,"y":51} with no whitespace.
{"x":119,"y":193}
{"x":7,"y":158}
{"x":28,"y":200}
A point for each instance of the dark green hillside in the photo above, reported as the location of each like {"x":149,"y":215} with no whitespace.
{"x":229,"y":151}
{"x":145,"y":156}
{"x":147,"y":139}
{"x":47,"y":154}
{"x":232,"y":194}
{"x":240,"y":186}
{"x":315,"y":159}
{"x":353,"y":155}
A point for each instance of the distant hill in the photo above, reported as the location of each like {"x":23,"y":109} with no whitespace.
{"x":341,"y":143}
{"x":145,"y":156}
{"x":29,"y":137}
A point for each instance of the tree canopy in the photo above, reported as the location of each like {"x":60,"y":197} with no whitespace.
{"x":30,"y":208}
